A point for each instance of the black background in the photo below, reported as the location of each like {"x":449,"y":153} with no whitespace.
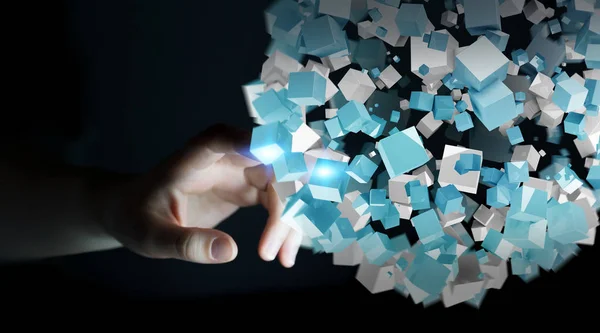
{"x":122,"y":84}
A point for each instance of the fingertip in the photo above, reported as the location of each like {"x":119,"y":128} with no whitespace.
{"x":223,"y":249}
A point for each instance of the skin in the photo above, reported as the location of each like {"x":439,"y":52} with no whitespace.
{"x":169,"y":212}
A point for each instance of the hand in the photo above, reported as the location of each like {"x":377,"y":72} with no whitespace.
{"x":171,"y":211}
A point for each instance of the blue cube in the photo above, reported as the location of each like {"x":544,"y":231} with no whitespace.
{"x":329,"y":180}
{"x":443,"y":107}
{"x":520,"y":96}
{"x":498,"y":196}
{"x":448,"y":199}
{"x":270,"y":141}
{"x":341,"y":235}
{"x":316,"y":217}
{"x":574,"y":123}
{"x":467,"y":163}
{"x":271,"y":108}
{"x":323,"y":37}
{"x":461,"y":106}
{"x":517,"y":171}
{"x":307,"y":88}
{"x":402,"y":152}
{"x":428,"y":227}
{"x":481,"y":16}
{"x":520,"y":57}
{"x":498,"y":38}
{"x":421,"y":101}
{"x":377,"y":197}
{"x":528,"y":204}
{"x":567,"y":223}
{"x":438,"y":41}
{"x":463,"y":122}
{"x":593,"y":176}
{"x":428,"y":274}
{"x":593,"y":96}
{"x":424,"y":70}
{"x":419,"y":198}
{"x":554,"y":26}
{"x":395,"y":117}
{"x":353,"y":116}
{"x":569,"y":95}
{"x":289,"y":167}
{"x":334,"y":128}
{"x":411,"y":19}
{"x":526,"y":235}
{"x":514,"y":135}
{"x":361,"y":169}
{"x":494,"y":105}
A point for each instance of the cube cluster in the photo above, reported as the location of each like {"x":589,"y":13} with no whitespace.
{"x":448,"y":141}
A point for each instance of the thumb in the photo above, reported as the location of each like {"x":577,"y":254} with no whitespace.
{"x":204,"y":246}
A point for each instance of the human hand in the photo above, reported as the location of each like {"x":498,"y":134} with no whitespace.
{"x":171,"y":211}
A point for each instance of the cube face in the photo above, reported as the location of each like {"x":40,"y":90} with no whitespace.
{"x":317,"y":217}
{"x":528,"y":204}
{"x":402,"y":152}
{"x":411,"y":19}
{"x":356,"y":86}
{"x":361,"y":169}
{"x":463,"y":121}
{"x":443,"y":107}
{"x":593,"y":176}
{"x":428,"y":227}
{"x":495,"y":105}
{"x":470,"y":70}
{"x":419,"y":197}
{"x":270,"y":141}
{"x":323,"y":37}
{"x":481,"y":15}
{"x":270,"y":107}
{"x":448,"y":199}
{"x":569,"y":95}
{"x":438,"y":41}
{"x":575,"y":124}
{"x":421,"y":101}
{"x":567,"y":223}
{"x":517,"y":171}
{"x":514,"y":135}
{"x":289,"y":167}
{"x":498,"y":196}
{"x":329,"y":180}
{"x":307,"y":88}
{"x":353,"y":116}
{"x":427,"y":274}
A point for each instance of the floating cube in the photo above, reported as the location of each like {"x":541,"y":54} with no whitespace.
{"x":356,"y":86}
{"x":395,"y":116}
{"x":511,"y":7}
{"x":593,"y":96}
{"x":463,"y":121}
{"x":528,"y":204}
{"x":271,"y":108}
{"x":569,"y":95}
{"x":495,"y":105}
{"x":377,"y":197}
{"x":514,"y":135}
{"x":340,"y":236}
{"x":468,"y":163}
{"x":419,"y":197}
{"x":329,"y":180}
{"x":498,"y":38}
{"x":411,"y":19}
{"x":495,"y":243}
{"x":593,"y":176}
{"x":308,"y":216}
{"x":542,"y":86}
{"x":421,"y":101}
{"x":567,"y":180}
{"x":567,"y":223}
{"x":469,"y":68}
{"x":498,"y":196}
{"x":353,"y":116}
{"x":374,"y":127}
{"x":467,"y":182}
{"x":443,"y":107}
{"x":361,"y":169}
{"x":438,"y":41}
{"x":429,"y":125}
{"x":390,"y":76}
{"x":411,"y":154}
{"x":527,"y":153}
{"x":517,"y":172}
{"x":449,"y":19}
{"x":334,"y":128}
{"x":427,"y":274}
{"x":428,"y":227}
{"x":554,"y":26}
{"x":519,"y":57}
{"x":481,"y":15}
{"x":520,"y":96}
{"x":289,"y":167}
{"x":448,"y":199}
{"x":270,"y":141}
{"x":534,"y":11}
{"x":526,"y":235}
{"x":307,"y":88}
{"x":323,"y":37}
{"x":575,"y":124}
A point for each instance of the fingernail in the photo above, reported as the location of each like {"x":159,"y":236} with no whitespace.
{"x":220,"y":249}
{"x":291,"y":262}
{"x":271,"y":251}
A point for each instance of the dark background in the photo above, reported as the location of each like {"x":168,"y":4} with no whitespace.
{"x":121,"y":85}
